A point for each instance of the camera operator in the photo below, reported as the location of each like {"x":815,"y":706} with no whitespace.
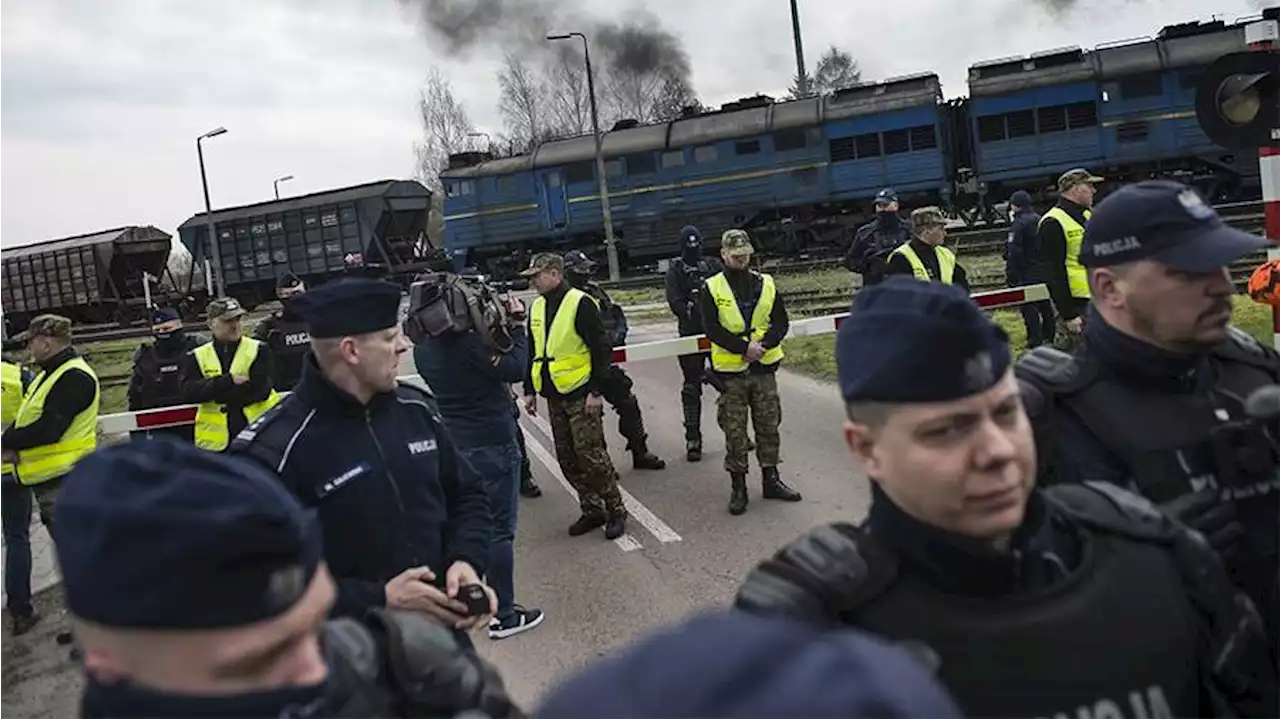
{"x":617,"y":385}
{"x":196,"y":588}
{"x":1155,"y":398}
{"x":471,"y":376}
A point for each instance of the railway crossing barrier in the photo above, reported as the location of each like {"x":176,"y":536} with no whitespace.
{"x":124,"y":422}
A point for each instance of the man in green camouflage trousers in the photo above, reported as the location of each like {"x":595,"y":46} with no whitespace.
{"x":745,"y":320}
{"x":584,"y":457}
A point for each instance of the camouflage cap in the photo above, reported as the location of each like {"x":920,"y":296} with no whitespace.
{"x":927,"y":217}
{"x":45,"y":326}
{"x":736,"y":243}
{"x":224,"y":308}
{"x":1078,"y":176}
{"x":543,"y":261}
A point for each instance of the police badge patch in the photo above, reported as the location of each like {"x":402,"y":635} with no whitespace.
{"x":1195,"y":205}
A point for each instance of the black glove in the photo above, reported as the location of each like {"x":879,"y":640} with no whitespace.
{"x":1207,"y":513}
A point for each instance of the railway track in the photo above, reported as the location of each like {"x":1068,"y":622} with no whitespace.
{"x":1247,"y":216}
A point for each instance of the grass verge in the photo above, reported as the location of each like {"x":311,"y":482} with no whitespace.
{"x":815,"y":355}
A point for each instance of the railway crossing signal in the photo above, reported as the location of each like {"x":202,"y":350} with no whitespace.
{"x":1238,"y":99}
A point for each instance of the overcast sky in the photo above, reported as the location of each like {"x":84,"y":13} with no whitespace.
{"x":103,"y":99}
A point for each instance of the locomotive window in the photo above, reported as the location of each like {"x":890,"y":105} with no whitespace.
{"x":580,"y":172}
{"x":675,"y":158}
{"x":1052,"y":119}
{"x":746,"y":147}
{"x":1022,"y":123}
{"x":896,"y":142}
{"x":1145,"y":85}
{"x":704,"y":154}
{"x":923,"y":138}
{"x":990,"y":128}
{"x":867,"y":145}
{"x":790,"y":140}
{"x":1082,"y":114}
{"x":842,"y":149}
{"x":1132,"y":132}
{"x":613,"y":168}
{"x":642,"y":163}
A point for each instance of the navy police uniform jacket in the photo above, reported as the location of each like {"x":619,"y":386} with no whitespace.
{"x":1023,"y":261}
{"x":384,"y":479}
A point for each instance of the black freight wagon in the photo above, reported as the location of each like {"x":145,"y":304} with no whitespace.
{"x":90,"y":278}
{"x":376,"y":229}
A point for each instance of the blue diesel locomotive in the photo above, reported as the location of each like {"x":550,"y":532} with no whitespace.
{"x":800,"y":174}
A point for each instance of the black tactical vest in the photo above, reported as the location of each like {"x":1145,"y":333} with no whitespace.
{"x":289,"y":342}
{"x":159,"y":375}
{"x":1105,"y":642}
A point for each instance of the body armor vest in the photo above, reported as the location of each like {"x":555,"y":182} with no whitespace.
{"x":289,"y":342}
{"x":1094,"y":645}
{"x":161,"y":374}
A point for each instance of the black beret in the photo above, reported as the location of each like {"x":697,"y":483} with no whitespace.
{"x":158,"y":534}
{"x":352,"y":306}
{"x":911,"y":341}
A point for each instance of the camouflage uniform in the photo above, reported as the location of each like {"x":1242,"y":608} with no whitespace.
{"x":755,"y":396}
{"x":584,"y":457}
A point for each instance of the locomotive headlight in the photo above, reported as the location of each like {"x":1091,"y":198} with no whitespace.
{"x":1238,"y":100}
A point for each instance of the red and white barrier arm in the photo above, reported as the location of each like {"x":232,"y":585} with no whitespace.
{"x":123,"y":422}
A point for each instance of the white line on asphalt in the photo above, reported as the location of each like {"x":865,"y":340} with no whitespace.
{"x":658,"y":528}
{"x":626,"y":542}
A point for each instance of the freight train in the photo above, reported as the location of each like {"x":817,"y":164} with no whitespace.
{"x":801,"y":174}
{"x":375,"y":229}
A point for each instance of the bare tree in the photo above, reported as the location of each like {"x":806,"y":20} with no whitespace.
{"x":566,"y":82}
{"x":632,"y":94}
{"x":794,"y":93}
{"x":445,"y":126}
{"x":836,"y":70}
{"x":523,"y":102}
{"x":672,"y":99}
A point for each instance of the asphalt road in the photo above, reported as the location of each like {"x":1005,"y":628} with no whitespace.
{"x":682,"y":551}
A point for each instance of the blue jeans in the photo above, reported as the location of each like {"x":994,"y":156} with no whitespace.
{"x":498,"y":466}
{"x":15,"y":514}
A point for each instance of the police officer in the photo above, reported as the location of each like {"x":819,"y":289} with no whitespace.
{"x":1059,"y":235}
{"x":1082,"y":600}
{"x":528,"y":487}
{"x":15,"y":508}
{"x":197,"y":587}
{"x":617,"y":389}
{"x":401,"y":527}
{"x":286,"y":334}
{"x":568,"y":366}
{"x":868,"y":254}
{"x":1155,"y":399}
{"x":228,"y":376}
{"x":923,"y":256}
{"x":157,"y":371}
{"x":746,"y":321}
{"x":685,"y":277}
{"x":1024,"y":265}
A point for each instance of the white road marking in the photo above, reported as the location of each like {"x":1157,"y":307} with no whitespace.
{"x":626,"y":542}
{"x":658,"y":528}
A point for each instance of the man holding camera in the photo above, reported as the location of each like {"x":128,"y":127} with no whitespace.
{"x":617,"y":387}
{"x":403,"y":528}
{"x":567,"y":366}
{"x":471,"y":379}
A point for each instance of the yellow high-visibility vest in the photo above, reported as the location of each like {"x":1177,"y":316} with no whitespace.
{"x":568,"y":358}
{"x":946,"y":263}
{"x":212,"y":432}
{"x":1077,"y":275}
{"x":10,"y":400}
{"x":722,"y":360}
{"x":41,"y":464}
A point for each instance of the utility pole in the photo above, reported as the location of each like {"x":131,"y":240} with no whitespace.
{"x":802,"y":78}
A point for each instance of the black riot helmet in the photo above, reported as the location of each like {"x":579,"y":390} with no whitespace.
{"x":577,"y":263}
{"x":690,"y":244}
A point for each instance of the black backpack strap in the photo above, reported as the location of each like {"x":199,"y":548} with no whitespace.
{"x":830,"y":571}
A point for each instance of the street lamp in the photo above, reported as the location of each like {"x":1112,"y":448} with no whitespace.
{"x":609,"y":243}
{"x":277,"y":182}
{"x":216,"y":259}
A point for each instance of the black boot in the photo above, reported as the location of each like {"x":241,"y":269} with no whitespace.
{"x":616,"y":526}
{"x":693,"y":450}
{"x":738,"y":495}
{"x":642,"y":458}
{"x":774,"y":487}
{"x":529,"y":488}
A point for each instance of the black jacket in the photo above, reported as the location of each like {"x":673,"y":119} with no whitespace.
{"x":590,"y":329}
{"x":384,"y":478}
{"x":746,"y":286}
{"x":72,"y":394}
{"x":1023,"y":261}
{"x":197,"y":389}
{"x":290,"y":342}
{"x":898,"y":264}
{"x":684,"y":286}
{"x":868,"y":254}
{"x":157,"y":373}
{"x":1053,"y":248}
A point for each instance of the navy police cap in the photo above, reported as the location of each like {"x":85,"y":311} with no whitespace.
{"x":351,"y":306}
{"x":162,"y":535}
{"x":911,"y":341}
{"x":1163,"y":221}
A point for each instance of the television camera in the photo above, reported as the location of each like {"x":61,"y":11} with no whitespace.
{"x":442,"y":303}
